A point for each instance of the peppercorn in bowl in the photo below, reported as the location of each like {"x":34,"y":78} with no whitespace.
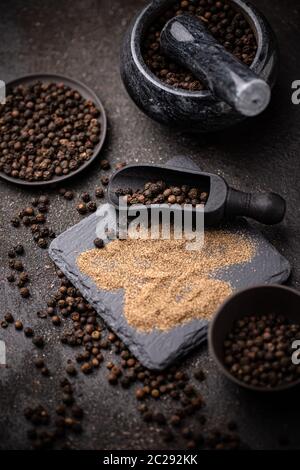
{"x":254,"y":338}
{"x":51,"y":128}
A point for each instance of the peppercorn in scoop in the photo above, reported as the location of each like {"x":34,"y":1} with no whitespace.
{"x":160,"y":192}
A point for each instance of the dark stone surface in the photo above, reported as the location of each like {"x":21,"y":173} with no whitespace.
{"x":190,"y":111}
{"x":82,"y":39}
{"x":158,"y":349}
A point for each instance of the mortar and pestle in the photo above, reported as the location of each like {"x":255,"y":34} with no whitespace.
{"x":234,"y":90}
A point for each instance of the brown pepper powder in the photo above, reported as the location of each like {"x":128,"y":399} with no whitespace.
{"x":165,"y":284}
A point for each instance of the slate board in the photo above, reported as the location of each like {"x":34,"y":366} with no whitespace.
{"x":157,"y":350}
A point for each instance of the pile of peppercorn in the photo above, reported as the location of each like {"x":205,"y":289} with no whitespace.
{"x":17,"y":269}
{"x":98,"y":347}
{"x":46,"y":130}
{"x":258,"y":351}
{"x":160,"y":193}
{"x":226,"y":24}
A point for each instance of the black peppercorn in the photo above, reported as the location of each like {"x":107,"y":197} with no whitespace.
{"x":71,"y":370}
{"x":104,"y":180}
{"x":99,"y":192}
{"x":18,"y":325}
{"x":18,"y":265}
{"x":8,"y":317}
{"x":91,"y":206}
{"x":25,"y":293}
{"x":28,"y":332}
{"x":19,"y":249}
{"x":15,"y":222}
{"x":40,"y":218}
{"x":35,"y":201}
{"x":99,"y":243}
{"x":85,"y":197}
{"x":222,"y":20}
{"x":81,"y":208}
{"x":69,"y":195}
{"x":159,"y":193}
{"x":38,"y":341}
{"x":42,"y":243}
{"x":104,"y":164}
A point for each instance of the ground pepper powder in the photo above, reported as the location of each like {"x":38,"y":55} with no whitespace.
{"x":165,"y":284}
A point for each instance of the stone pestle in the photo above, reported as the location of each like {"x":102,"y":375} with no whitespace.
{"x":186,"y":40}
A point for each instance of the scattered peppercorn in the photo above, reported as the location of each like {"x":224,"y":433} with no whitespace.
{"x":25,"y":293}
{"x":9,"y":317}
{"x":38,"y":341}
{"x":99,"y":193}
{"x":68,"y":195}
{"x":104,"y":164}
{"x":56,"y":320}
{"x":19,"y":249}
{"x":91,"y":206}
{"x":45,"y":371}
{"x":86,"y":368}
{"x":104,"y":180}
{"x":71,"y":370}
{"x":81,"y":208}
{"x":18,"y":265}
{"x":28,"y":332}
{"x":99,"y":243}
{"x":88,"y":332}
{"x":11,"y":254}
{"x":18,"y":325}
{"x":120,"y":165}
{"x":15,"y":222}
{"x":39,"y":363}
{"x":38,"y":415}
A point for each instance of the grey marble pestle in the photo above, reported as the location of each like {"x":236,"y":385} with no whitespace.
{"x":187,"y":40}
{"x":190,"y":111}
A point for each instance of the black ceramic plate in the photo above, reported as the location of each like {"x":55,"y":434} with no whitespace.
{"x":86,"y":93}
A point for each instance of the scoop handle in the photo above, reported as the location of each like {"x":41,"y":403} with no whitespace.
{"x":267,"y":208}
{"x":187,"y":41}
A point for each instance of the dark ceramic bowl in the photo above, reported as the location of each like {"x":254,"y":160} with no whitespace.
{"x":87,"y":94}
{"x":192,"y":111}
{"x":255,"y":300}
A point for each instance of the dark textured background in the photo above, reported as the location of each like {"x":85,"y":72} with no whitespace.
{"x":81,"y":39}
